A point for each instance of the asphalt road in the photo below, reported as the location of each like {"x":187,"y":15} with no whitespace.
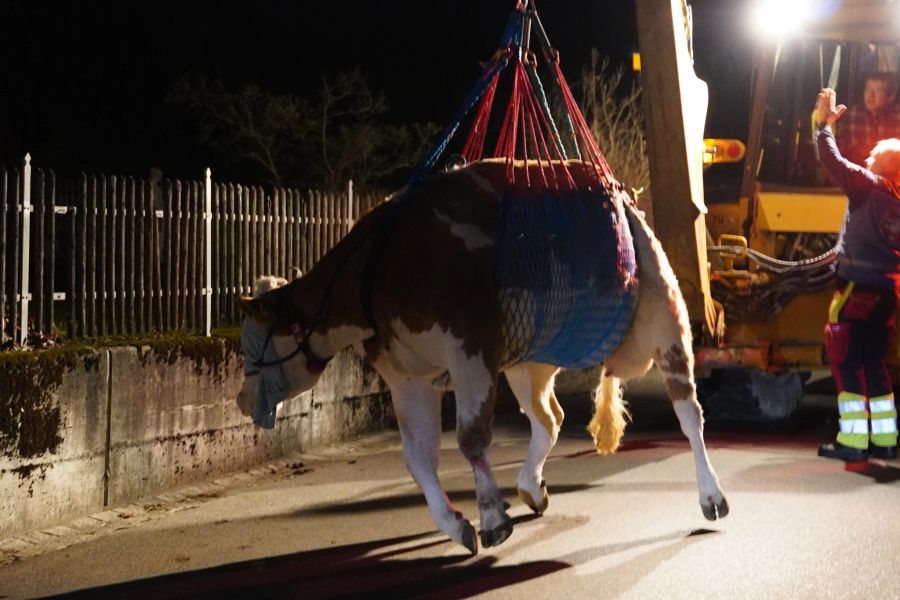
{"x":349,"y":522}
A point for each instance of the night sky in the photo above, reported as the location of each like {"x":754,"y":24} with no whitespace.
{"x":83,"y":83}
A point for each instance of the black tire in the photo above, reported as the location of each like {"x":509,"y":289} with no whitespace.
{"x":742,"y":394}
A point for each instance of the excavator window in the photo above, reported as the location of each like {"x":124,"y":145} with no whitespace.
{"x":803,"y":67}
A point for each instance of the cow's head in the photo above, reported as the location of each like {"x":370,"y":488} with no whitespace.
{"x":279,"y":362}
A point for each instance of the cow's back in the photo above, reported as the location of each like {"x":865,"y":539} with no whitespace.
{"x":436,"y":266}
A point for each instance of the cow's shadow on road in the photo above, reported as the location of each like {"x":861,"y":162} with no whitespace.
{"x":375,"y":569}
{"x":382,"y":569}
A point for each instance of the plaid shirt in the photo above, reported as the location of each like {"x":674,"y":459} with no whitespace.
{"x":858,"y":131}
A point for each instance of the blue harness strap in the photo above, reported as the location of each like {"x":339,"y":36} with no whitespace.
{"x":512,"y":35}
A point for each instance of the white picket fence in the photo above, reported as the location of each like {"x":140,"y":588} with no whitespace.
{"x":110,"y":255}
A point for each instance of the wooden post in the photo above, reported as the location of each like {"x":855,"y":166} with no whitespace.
{"x":287,"y":203}
{"x":252,"y":234}
{"x":147,"y":220}
{"x":244,"y":242}
{"x":128,"y":262}
{"x":320,"y":227}
{"x":191,"y":238}
{"x":50,"y":273}
{"x":260,"y":234}
{"x":350,"y":213}
{"x":139,"y":256}
{"x":237,"y":242}
{"x":72,"y":329}
{"x":80,"y":302}
{"x":265,"y":206}
{"x":307,"y":233}
{"x":120,"y":255}
{"x":112,"y":252}
{"x":168,"y":260}
{"x":177,"y":256}
{"x":25,"y":296}
{"x":102,"y":287}
{"x":155,"y":215}
{"x":329,"y":201}
{"x":207,"y":216}
{"x":218,"y":254}
{"x":4,"y":209}
{"x":38,"y":249}
{"x":92,"y":258}
{"x":276,"y":263}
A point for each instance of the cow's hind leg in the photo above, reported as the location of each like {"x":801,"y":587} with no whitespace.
{"x":417,"y":406}
{"x":532,"y":384}
{"x":660,"y":331}
{"x":676,"y":365}
{"x":476,"y":390}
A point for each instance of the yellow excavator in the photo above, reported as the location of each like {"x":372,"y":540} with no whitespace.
{"x":756,"y":269}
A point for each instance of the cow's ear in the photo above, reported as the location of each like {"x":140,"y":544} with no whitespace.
{"x":252,"y":307}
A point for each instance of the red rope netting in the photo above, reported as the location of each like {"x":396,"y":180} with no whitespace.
{"x":528,"y":135}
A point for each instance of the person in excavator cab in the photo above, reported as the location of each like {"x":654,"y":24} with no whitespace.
{"x":860,"y":328}
{"x":876,"y":118}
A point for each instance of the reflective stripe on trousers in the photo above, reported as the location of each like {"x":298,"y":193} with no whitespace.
{"x":883,"y":414}
{"x":854,"y":420}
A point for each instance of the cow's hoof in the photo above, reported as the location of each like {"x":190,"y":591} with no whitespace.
{"x":528,"y":499}
{"x":469,"y":539}
{"x":497,"y":535}
{"x":713,"y":510}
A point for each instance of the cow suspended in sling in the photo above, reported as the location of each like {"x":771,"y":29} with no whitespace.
{"x":519,"y":264}
{"x":414,"y":287}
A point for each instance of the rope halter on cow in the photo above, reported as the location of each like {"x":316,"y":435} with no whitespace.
{"x":301,"y":335}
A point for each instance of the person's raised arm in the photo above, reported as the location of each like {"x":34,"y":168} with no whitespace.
{"x":851,"y":177}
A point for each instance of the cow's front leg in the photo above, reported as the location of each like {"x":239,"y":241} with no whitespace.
{"x":417,"y":406}
{"x":476,"y":389}
{"x":532,"y":384}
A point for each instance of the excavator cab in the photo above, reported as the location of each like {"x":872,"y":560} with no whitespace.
{"x":769,"y":252}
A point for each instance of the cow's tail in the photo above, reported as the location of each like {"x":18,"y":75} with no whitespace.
{"x":609,"y":420}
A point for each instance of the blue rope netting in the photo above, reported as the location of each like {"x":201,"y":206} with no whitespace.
{"x":565,"y":267}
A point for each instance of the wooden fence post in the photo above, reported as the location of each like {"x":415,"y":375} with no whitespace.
{"x":207,"y":217}
{"x":26,"y":249}
{"x":349,"y":205}
{"x":4,"y":210}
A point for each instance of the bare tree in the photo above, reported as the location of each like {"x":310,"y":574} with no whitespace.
{"x":613,"y":112}
{"x":323,"y":142}
{"x":257,"y":126}
{"x":354,"y":140}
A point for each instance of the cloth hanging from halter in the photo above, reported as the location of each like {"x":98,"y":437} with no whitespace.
{"x":271,"y":384}
{"x":565,"y":268}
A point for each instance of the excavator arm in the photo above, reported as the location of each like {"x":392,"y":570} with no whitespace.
{"x":675,"y":102}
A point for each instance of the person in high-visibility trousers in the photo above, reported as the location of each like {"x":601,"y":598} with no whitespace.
{"x":860,"y":328}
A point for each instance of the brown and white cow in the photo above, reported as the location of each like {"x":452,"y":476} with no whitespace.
{"x":426,"y":312}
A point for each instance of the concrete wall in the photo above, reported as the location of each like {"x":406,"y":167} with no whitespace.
{"x":155,"y":417}
{"x":52,"y":438}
